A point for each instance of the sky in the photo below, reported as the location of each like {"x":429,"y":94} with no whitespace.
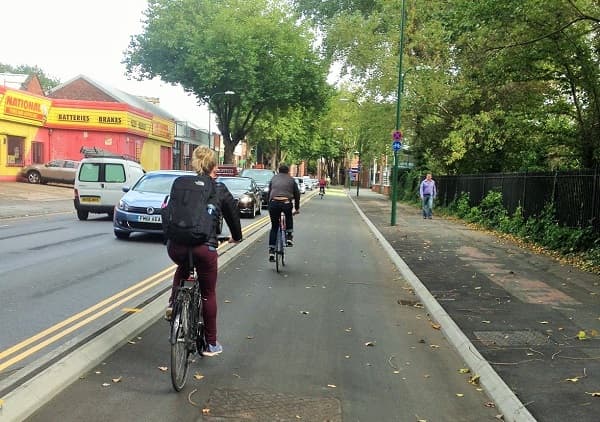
{"x":67,"y":38}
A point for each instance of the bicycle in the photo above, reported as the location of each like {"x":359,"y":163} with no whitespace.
{"x":280,"y":243}
{"x":187,"y":327}
{"x":321,"y":192}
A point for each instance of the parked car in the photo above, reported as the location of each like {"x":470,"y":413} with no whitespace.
{"x":307,"y":183}
{"x":58,"y":171}
{"x":246,"y":193}
{"x":139,"y":208}
{"x":227,"y":170}
{"x":100,"y":182}
{"x":300,"y":183}
{"x":262,"y":177}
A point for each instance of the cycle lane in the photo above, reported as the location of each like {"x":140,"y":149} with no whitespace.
{"x":327,"y":339}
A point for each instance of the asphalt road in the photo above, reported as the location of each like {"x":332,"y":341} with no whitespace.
{"x":334,"y":337}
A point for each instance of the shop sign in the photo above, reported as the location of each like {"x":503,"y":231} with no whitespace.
{"x":139,"y":124}
{"x":163,"y":129}
{"x":90,"y":119}
{"x":22,"y":106}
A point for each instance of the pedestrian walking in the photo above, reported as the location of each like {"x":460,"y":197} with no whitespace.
{"x":427,"y":192}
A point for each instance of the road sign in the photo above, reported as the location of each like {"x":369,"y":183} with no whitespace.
{"x":397,"y":135}
{"x":396,"y":146}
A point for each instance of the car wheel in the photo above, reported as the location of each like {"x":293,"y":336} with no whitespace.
{"x":34,"y":177}
{"x":82,"y":215}
{"x":121,"y":235}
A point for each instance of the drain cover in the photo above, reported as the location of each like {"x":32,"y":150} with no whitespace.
{"x":512,"y":338}
{"x":240,"y":405}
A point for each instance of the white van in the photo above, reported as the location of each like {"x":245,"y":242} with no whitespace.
{"x":100,"y":181}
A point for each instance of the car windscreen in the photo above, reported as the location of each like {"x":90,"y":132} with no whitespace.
{"x":156,"y":184}
{"x":261,"y":176}
{"x":236,"y":184}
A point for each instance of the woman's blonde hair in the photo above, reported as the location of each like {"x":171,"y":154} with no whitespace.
{"x":203,"y":160}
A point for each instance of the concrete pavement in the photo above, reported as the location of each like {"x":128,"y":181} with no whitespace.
{"x":534,"y":320}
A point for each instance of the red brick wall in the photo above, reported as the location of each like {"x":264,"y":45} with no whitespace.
{"x":33,"y":85}
{"x":80,"y":89}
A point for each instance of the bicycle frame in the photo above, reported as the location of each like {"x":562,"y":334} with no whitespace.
{"x":280,"y":242}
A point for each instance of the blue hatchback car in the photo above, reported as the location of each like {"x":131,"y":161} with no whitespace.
{"x":139,"y":208}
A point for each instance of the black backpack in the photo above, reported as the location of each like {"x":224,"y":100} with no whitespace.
{"x":190,"y":215}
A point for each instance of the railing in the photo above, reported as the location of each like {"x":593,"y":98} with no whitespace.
{"x":575,"y":194}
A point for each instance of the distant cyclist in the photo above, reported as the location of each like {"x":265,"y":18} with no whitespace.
{"x":284,"y":195}
{"x":322,"y":185}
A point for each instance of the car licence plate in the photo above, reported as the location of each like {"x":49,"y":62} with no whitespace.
{"x":150,"y":218}
{"x":89,"y":198}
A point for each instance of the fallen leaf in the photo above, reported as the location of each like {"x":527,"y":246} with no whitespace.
{"x":370,"y":344}
{"x":544,"y":322}
{"x":116,"y":380}
{"x":347,"y":356}
{"x":348,"y":329}
{"x":396,"y":372}
{"x":418,"y":305}
{"x":331,"y":385}
{"x":594,"y":333}
{"x":594,"y":394}
{"x":341,"y":310}
{"x":227,"y":301}
{"x":426,"y":376}
{"x":459,"y":395}
{"x":436,"y":326}
{"x":572,"y":379}
{"x":98,"y":372}
{"x":434,"y":346}
{"x":163,"y":368}
{"x":205,"y":411}
{"x":131,"y":342}
{"x":198,"y":376}
{"x":249,"y":337}
{"x":486,"y":322}
{"x":304,"y":312}
{"x":105,"y":384}
{"x":131,"y":310}
{"x":474,"y":380}
{"x":490,"y":404}
{"x":464,"y":370}
{"x":581,"y":335}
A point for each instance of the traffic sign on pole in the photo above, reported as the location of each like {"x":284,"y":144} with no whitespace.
{"x":397,"y":135}
{"x":396,"y":146}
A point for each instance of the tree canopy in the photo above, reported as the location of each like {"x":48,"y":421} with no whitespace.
{"x":488,"y":86}
{"x":257,"y":49}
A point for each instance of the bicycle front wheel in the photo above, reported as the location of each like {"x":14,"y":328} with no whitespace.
{"x":180,"y":333}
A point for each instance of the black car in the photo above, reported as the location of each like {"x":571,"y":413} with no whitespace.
{"x":246,"y":193}
{"x":262,"y":177}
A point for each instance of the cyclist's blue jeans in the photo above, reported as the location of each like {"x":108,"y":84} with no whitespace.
{"x":275,"y":208}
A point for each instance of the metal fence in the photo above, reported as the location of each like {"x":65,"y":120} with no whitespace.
{"x":575,"y":194}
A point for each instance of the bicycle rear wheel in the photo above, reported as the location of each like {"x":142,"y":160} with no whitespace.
{"x":180,"y":334}
{"x":279,"y":245}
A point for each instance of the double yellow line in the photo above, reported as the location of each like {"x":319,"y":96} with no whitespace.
{"x":22,"y":350}
{"x":64,"y":328}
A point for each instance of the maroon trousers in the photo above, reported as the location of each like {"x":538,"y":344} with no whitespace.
{"x":205,"y":261}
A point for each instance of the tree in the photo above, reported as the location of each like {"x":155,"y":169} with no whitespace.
{"x":47,"y":82}
{"x":256,"y":49}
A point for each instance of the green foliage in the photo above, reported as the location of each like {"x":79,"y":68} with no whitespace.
{"x":47,"y":82}
{"x":258,"y":49}
{"x":542,"y":229}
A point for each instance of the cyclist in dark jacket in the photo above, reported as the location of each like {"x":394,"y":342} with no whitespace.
{"x":284,"y":195}
{"x":205,"y":255}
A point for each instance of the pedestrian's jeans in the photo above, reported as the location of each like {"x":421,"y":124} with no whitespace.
{"x":427,"y":206}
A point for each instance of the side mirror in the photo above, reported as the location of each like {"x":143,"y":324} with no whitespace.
{"x":125,"y":189}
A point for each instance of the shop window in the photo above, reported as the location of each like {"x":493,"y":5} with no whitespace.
{"x":16,"y":146}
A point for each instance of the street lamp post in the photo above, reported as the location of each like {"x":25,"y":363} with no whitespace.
{"x":398,"y":110}
{"x":209,"y":119}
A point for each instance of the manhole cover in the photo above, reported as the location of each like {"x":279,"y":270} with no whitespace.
{"x":237,"y":405}
{"x":512,"y":338}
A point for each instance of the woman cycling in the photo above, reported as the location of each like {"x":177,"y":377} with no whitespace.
{"x":205,"y":255}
